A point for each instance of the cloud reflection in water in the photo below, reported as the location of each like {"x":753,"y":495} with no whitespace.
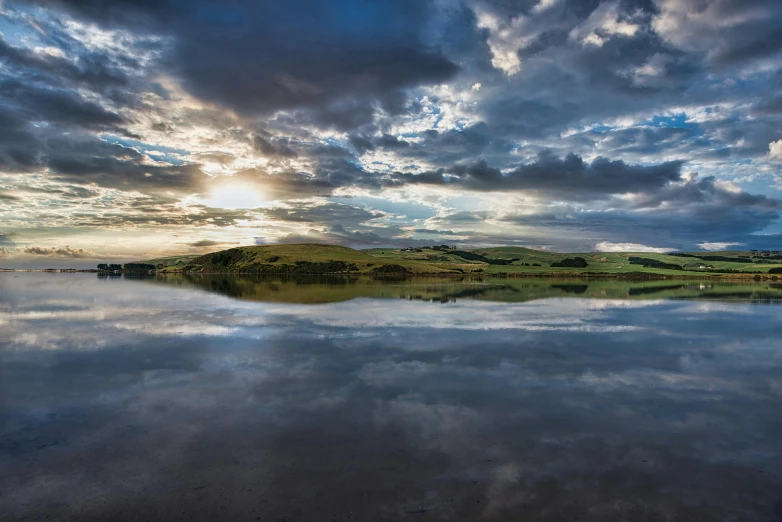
{"x":129,"y":401}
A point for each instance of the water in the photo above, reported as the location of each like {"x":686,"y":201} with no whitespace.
{"x":176,"y":398}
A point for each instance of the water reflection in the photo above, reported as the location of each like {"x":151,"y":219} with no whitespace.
{"x":126,"y":400}
{"x":329,"y":289}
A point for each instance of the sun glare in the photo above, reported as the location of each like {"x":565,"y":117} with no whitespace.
{"x":235,"y":196}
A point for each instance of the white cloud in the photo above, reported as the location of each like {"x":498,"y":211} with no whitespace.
{"x":717,"y":245}
{"x":510,"y":34}
{"x":602,"y":23}
{"x":775,"y":150}
{"x":55,"y":52}
{"x":506,"y":38}
{"x":608,"y":246}
{"x":651,"y":73}
{"x":544,"y":5}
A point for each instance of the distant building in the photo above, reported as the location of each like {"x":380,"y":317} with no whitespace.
{"x":697,"y":266}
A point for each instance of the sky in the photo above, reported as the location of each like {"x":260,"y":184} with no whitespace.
{"x":136,"y":129}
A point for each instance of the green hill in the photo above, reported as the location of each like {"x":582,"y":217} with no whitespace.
{"x":317,"y":259}
{"x":497,"y":261}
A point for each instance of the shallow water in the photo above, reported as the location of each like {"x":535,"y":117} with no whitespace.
{"x":306,"y":400}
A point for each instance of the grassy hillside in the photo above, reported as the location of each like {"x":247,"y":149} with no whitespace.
{"x":315,"y":258}
{"x":497,"y":261}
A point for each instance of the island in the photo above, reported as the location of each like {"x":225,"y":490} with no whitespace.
{"x":446,"y":260}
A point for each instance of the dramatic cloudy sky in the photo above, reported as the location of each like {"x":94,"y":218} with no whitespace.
{"x":138,"y":128}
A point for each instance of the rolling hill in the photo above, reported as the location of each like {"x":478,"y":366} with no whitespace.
{"x":497,"y":261}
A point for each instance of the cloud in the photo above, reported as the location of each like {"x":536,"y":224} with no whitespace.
{"x":506,"y":38}
{"x":680,"y":215}
{"x":338,"y":235}
{"x":278,"y":149}
{"x":322,"y":52}
{"x":589,"y":117}
{"x":706,"y":193}
{"x":607,"y":246}
{"x":727,"y":31}
{"x":321,"y":212}
{"x":570,"y":177}
{"x":718,"y":246}
{"x":603,"y":23}
{"x":208,"y":243}
{"x":4,"y":252}
{"x":59,"y":106}
{"x":4,"y":196}
{"x":66,"y":251}
{"x":6,"y":239}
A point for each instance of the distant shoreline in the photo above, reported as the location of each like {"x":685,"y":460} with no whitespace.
{"x":628,"y":276}
{"x":452,"y":262}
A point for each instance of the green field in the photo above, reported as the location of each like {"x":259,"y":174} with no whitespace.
{"x":494,"y":261}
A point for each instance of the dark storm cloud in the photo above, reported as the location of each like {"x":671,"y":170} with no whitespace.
{"x":115,"y":166}
{"x":570,"y":177}
{"x":323,"y":52}
{"x":78,"y":157}
{"x":446,"y":147}
{"x":57,"y":106}
{"x":677,"y":215}
{"x":706,"y":190}
{"x":92,"y":70}
{"x":650,"y":140}
{"x":50,"y":108}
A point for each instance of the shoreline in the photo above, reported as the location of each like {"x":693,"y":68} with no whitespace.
{"x":628,"y":276}
{"x":634,"y":276}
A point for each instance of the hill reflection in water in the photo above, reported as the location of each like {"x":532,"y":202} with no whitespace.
{"x":331,"y":289}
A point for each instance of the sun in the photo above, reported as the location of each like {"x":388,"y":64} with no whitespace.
{"x":235,"y":196}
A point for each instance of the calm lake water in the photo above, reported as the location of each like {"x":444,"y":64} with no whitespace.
{"x":229,"y":398}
